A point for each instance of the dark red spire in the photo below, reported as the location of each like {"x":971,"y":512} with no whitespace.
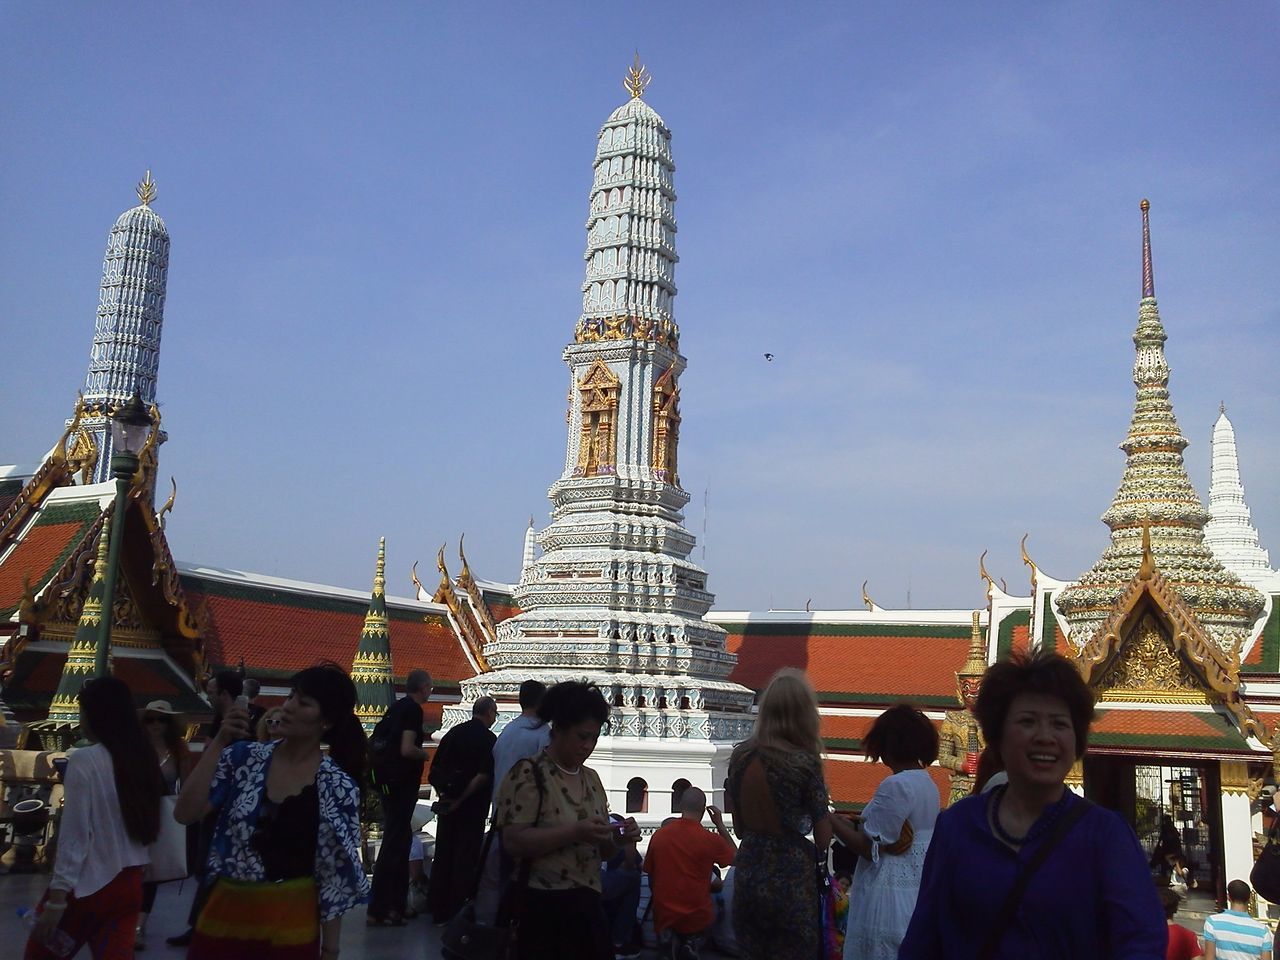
{"x":1148,"y":278}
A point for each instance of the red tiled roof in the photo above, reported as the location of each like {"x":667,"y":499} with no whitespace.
{"x":37,"y":673}
{"x":1021,"y":638}
{"x":42,"y":549}
{"x":865,"y":663}
{"x":277,"y":631}
{"x":844,"y":728}
{"x":1157,"y":730}
{"x":853,"y":784}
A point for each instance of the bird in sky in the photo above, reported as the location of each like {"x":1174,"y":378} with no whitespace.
{"x":769,"y":357}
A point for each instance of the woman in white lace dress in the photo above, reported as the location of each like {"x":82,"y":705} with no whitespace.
{"x":892,"y":836}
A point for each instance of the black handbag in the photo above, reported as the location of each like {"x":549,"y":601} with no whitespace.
{"x":1265,"y":875}
{"x":466,"y":938}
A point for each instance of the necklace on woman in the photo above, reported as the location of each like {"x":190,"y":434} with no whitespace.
{"x":567,"y":773}
{"x":1047,"y":817}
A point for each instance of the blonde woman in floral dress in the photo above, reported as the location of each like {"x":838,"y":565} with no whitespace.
{"x":779,"y":797}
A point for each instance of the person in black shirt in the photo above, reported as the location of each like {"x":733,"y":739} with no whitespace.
{"x":397,"y":782}
{"x":461,"y":772}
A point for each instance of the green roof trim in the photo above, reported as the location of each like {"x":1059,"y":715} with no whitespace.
{"x":275,"y":596}
{"x":959,"y":631}
{"x":825,"y":696}
{"x":1049,"y":626}
{"x":1270,"y":641}
{"x":843,"y":743}
{"x":1218,"y":734}
{"x":1004,"y":640}
{"x":1169,"y":741}
{"x":85,"y":513}
{"x":11,"y":487}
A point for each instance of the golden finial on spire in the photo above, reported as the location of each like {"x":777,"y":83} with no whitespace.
{"x":976,"y":663}
{"x":866,"y":599}
{"x":147,"y":190}
{"x":637,"y":79}
{"x":380,"y":568}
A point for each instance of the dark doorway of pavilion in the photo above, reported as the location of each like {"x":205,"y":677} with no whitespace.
{"x":1171,"y":806}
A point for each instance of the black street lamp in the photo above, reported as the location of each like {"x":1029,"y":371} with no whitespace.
{"x":130,"y":426}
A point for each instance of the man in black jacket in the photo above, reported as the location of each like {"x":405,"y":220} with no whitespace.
{"x":397,"y":779}
{"x":461,"y":772}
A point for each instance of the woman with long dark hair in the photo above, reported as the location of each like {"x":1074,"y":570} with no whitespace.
{"x":553,"y":812}
{"x":286,"y":849}
{"x":164,"y":728}
{"x":111,"y":813}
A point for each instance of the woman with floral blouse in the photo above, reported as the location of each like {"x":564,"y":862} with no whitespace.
{"x":553,"y":813}
{"x":286,"y":850}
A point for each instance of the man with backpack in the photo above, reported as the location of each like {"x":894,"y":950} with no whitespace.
{"x":397,"y":759}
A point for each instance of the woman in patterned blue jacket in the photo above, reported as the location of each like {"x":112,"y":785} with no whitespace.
{"x":286,"y":850}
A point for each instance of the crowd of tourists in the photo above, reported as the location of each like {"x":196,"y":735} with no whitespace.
{"x":1023,"y":868}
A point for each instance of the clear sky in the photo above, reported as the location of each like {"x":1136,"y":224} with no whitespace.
{"x":927,"y":212}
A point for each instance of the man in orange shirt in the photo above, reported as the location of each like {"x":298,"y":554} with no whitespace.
{"x":679,"y":862}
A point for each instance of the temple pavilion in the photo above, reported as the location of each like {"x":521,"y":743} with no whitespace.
{"x":1175,"y":627}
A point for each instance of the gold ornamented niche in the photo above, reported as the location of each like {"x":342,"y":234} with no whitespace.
{"x":598,"y":442}
{"x":1147,"y":669}
{"x":666,"y":427}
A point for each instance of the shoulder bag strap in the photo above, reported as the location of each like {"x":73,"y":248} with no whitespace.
{"x":514,"y":895}
{"x":1012,"y":900}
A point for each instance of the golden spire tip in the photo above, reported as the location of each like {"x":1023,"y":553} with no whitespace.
{"x":1145,"y":205}
{"x":637,"y":78}
{"x":147,"y":190}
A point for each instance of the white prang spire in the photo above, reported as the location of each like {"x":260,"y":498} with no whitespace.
{"x":530,"y":549}
{"x":1229,"y":531}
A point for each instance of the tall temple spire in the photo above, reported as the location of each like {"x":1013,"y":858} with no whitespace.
{"x":80,"y":654}
{"x":1156,"y":492}
{"x":125,"y":357}
{"x":371,"y":669}
{"x":1229,"y":532}
{"x":614,"y":596}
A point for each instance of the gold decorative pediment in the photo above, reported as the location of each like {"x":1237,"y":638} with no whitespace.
{"x":1146,"y":669}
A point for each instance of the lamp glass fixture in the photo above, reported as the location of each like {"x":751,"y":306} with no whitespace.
{"x":130,"y":425}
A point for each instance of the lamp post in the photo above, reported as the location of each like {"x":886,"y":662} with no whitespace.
{"x":130,"y":425}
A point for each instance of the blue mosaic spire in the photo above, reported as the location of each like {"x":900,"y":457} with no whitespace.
{"x":125,"y":357}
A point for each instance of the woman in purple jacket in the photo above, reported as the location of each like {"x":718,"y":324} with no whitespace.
{"x":1091,"y":896}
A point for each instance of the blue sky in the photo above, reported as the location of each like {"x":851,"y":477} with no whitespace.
{"x":928,"y":213}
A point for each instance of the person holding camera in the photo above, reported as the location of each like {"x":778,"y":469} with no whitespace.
{"x":679,"y":862}
{"x":460,"y":773}
{"x":553,"y":812}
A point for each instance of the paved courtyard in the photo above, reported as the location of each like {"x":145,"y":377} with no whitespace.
{"x":417,"y":940}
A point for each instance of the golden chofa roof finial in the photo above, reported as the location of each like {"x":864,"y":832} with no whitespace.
{"x":147,"y":190}
{"x":637,"y":78}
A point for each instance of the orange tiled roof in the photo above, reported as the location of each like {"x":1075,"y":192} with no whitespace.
{"x":278,"y":631}
{"x":37,"y":672}
{"x":844,"y":728}
{"x":1156,"y":730}
{"x":853,"y":784}
{"x":43,"y":548}
{"x":864,"y":663}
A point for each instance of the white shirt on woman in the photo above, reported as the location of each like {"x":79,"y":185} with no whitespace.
{"x":93,"y":844}
{"x":884,"y":890}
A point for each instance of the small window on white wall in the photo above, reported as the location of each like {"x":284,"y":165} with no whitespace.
{"x":637,"y":795}
{"x":677,"y":793}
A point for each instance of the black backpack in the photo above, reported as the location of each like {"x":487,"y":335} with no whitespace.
{"x":385,"y":760}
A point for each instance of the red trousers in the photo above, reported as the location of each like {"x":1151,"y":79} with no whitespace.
{"x":105,"y":920}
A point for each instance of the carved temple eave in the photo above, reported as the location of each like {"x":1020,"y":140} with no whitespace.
{"x":1217,"y":669}
{"x":470,"y":633}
